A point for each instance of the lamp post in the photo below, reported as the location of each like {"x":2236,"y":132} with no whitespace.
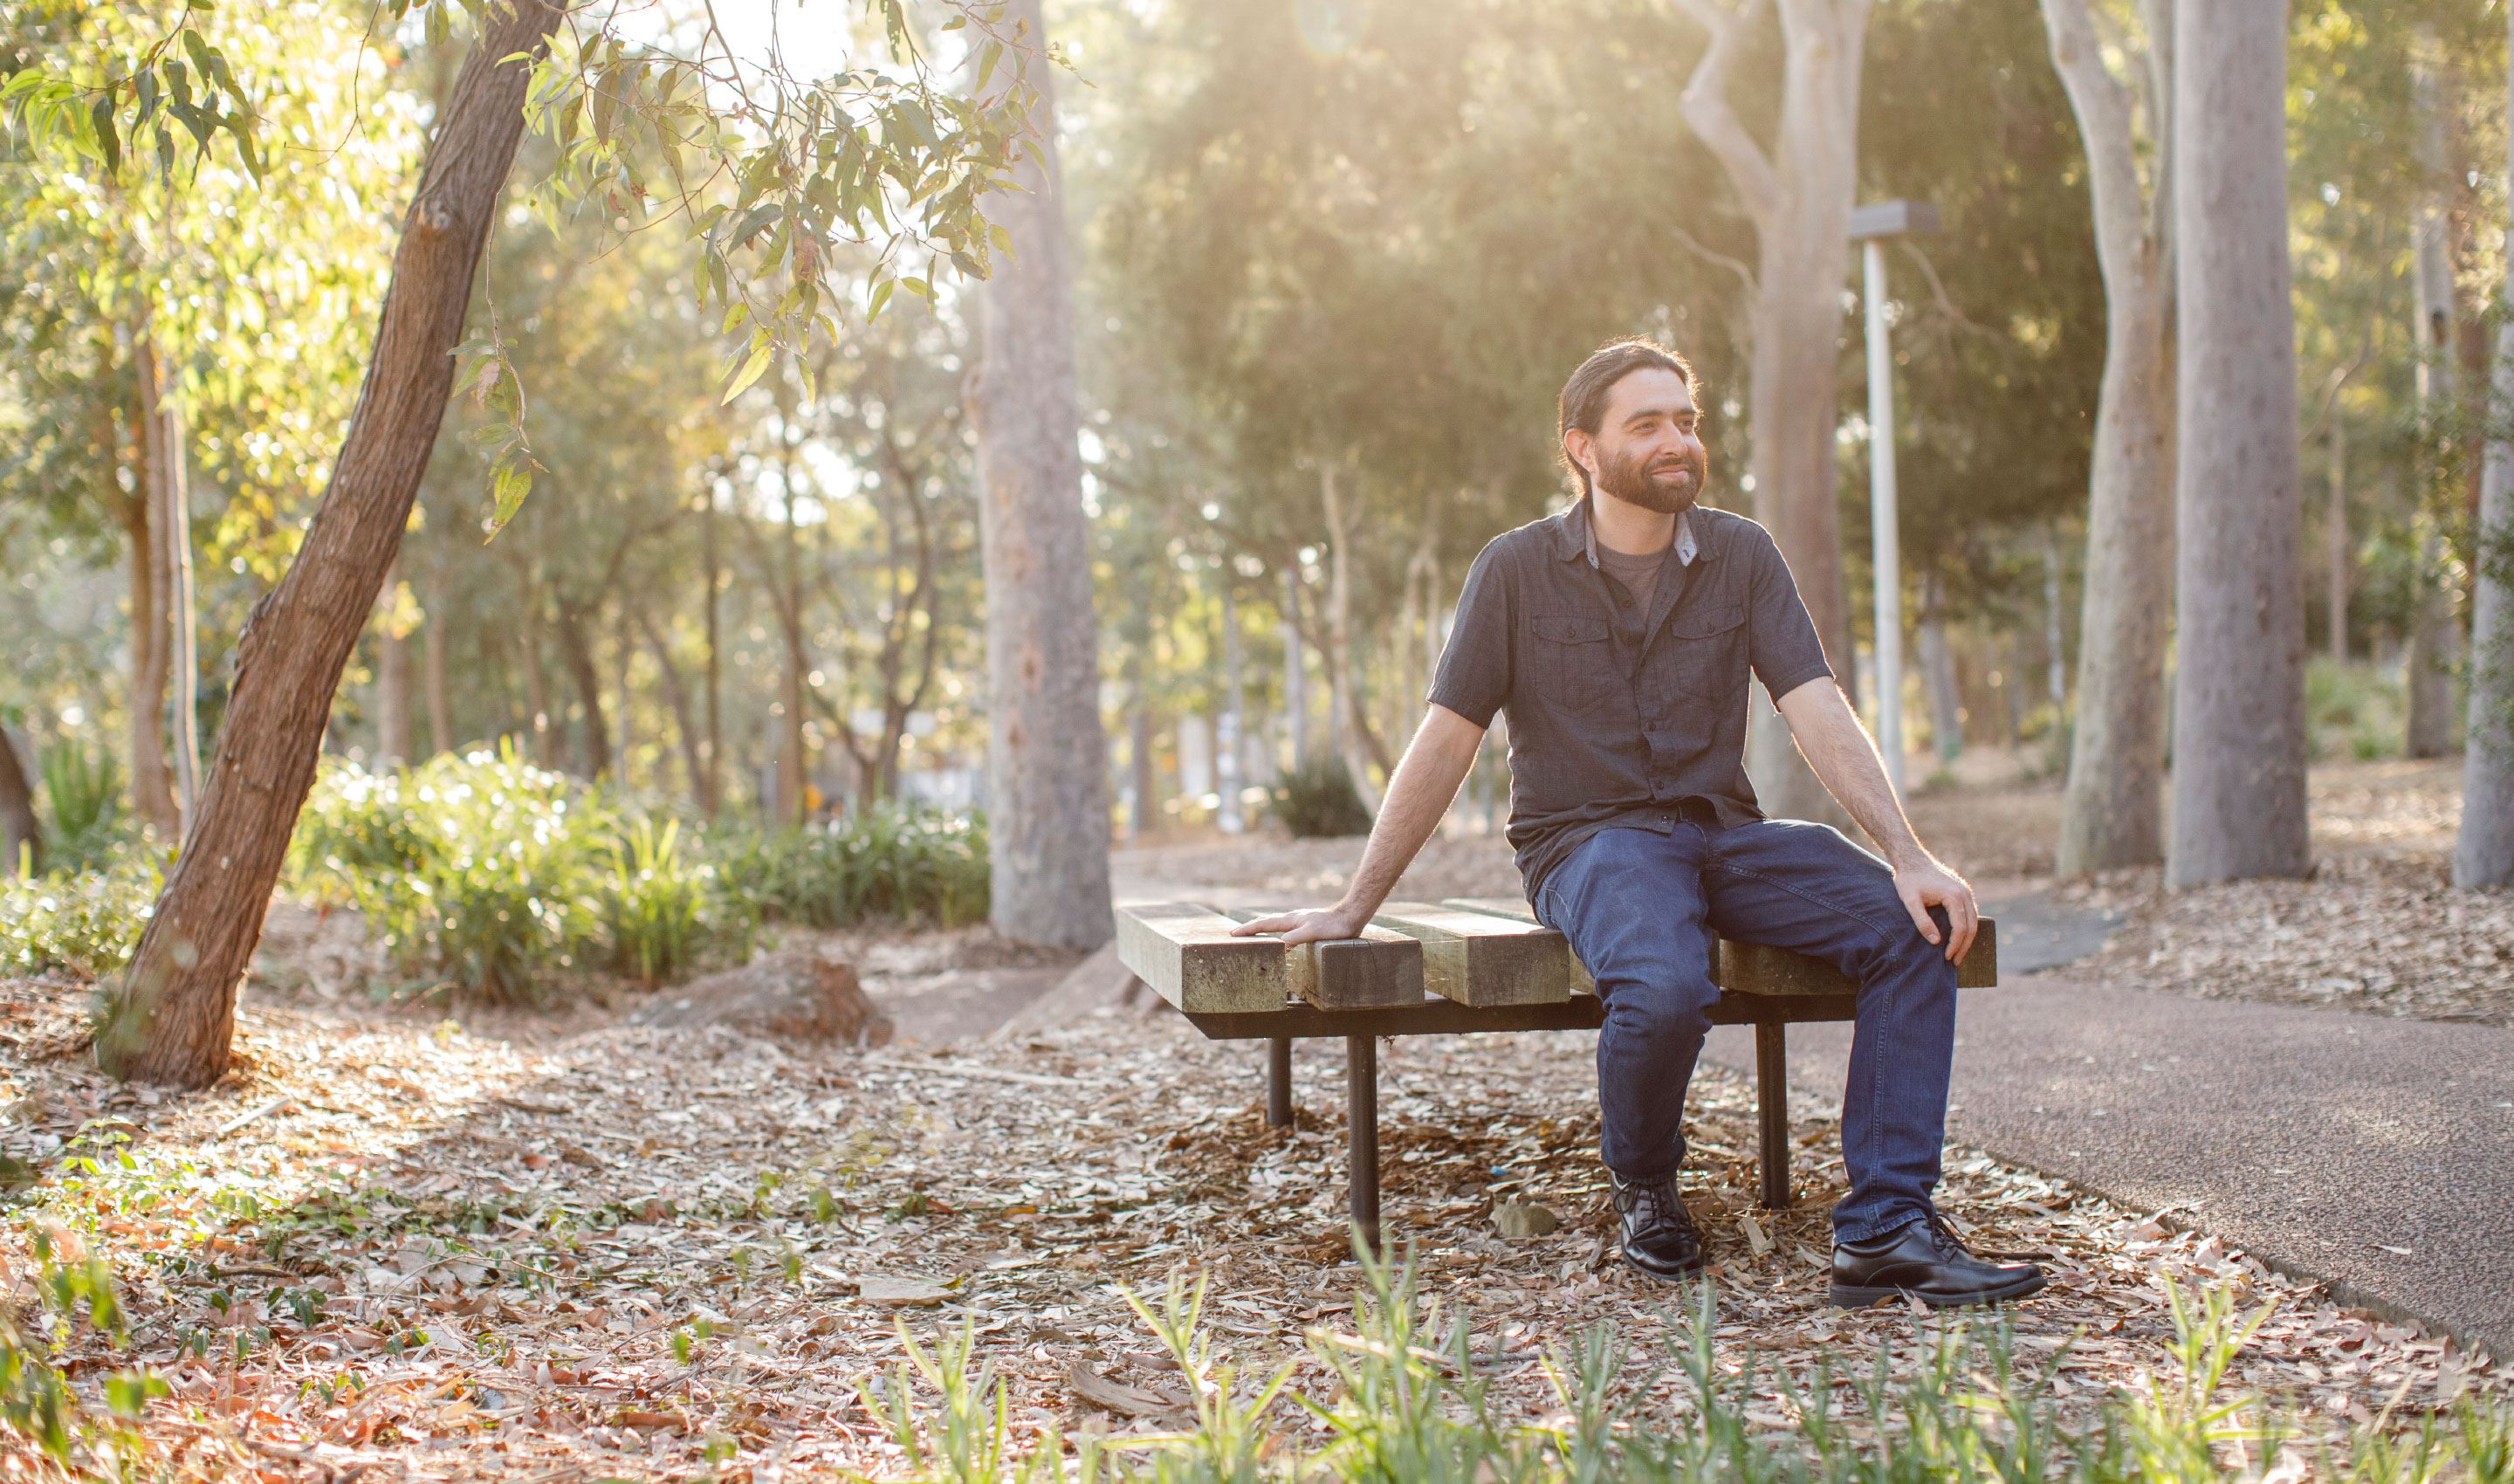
{"x":1870,"y":225}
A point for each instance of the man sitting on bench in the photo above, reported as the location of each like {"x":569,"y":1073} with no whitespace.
{"x":1618,"y":636}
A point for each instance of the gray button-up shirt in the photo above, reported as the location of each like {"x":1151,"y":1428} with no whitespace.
{"x":1617,"y":717}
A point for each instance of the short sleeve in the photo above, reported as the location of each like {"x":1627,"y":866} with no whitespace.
{"x":1782,"y":643}
{"x":1474,"y":677}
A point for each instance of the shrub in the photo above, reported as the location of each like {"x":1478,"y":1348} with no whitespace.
{"x":888,"y":859}
{"x":2352,"y":710}
{"x":85,"y":791}
{"x":84,"y":921}
{"x":1320,"y":799}
{"x":661,"y":908}
{"x":481,"y":869}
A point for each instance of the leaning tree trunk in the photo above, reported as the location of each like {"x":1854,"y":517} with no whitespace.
{"x":2239,"y":686}
{"x":2113,"y":812}
{"x":1047,"y":759}
{"x":174,"y":1015}
{"x":2427,"y":675}
{"x":1799,"y":197}
{"x":2483,"y":853}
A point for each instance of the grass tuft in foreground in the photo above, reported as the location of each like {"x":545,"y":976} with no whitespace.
{"x":1407,"y":1404}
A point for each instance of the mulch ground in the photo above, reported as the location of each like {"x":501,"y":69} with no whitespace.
{"x":394,"y":1246}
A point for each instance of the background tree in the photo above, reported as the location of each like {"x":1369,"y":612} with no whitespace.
{"x":2239,"y":685}
{"x":2113,"y":812}
{"x":2484,"y":849}
{"x":1047,"y":761}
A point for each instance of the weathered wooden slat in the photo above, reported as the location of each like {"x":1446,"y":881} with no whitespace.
{"x":1745,"y":968}
{"x":1518,"y":910}
{"x":1186,"y":952}
{"x":1376,"y":971}
{"x":1480,"y":959}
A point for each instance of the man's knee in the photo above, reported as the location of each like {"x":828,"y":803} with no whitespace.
{"x":1676,"y":1008}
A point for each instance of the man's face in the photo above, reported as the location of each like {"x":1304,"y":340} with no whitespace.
{"x":1646,"y":450}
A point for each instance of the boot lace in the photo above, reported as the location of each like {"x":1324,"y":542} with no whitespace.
{"x":1665,"y":1209}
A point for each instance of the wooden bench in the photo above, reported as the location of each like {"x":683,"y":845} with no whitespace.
{"x":1464,"y":965}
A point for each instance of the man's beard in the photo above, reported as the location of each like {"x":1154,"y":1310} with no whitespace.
{"x":1630,"y":480}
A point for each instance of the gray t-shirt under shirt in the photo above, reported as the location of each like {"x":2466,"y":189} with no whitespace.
{"x":1638,"y":574}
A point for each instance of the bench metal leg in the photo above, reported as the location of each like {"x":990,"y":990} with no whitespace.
{"x":1772,"y":1110}
{"x":1279,"y":1083}
{"x":1361,"y":1134}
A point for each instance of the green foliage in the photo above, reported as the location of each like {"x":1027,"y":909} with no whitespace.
{"x":2352,"y":710}
{"x":481,"y":869}
{"x":35,"y":1404}
{"x":492,"y":876}
{"x":1320,"y":800}
{"x":1410,"y":1406}
{"x":85,"y":791}
{"x":84,"y":921}
{"x":887,"y":861}
{"x":659,"y":909}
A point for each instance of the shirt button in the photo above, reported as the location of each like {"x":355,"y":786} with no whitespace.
{"x":1627,"y":602}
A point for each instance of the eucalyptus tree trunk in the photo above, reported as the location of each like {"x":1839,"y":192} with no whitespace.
{"x":392,"y":677}
{"x":1938,"y":673}
{"x":1799,"y":197}
{"x":2483,"y":853}
{"x":21,"y":835}
{"x":1346,"y":723}
{"x":152,"y":776}
{"x":173,"y":1015}
{"x":2238,"y":684}
{"x":2335,"y":537}
{"x":1047,"y":758}
{"x":435,"y":619}
{"x":2112,"y":814}
{"x":2427,"y":675}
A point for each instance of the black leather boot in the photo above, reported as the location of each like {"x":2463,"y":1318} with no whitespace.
{"x":1660,"y":1238}
{"x":1925,"y":1261}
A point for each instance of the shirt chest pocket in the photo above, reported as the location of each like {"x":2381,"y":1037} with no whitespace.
{"x":1703,"y":653}
{"x":1573,"y":660}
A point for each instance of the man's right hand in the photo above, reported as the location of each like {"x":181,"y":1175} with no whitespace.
{"x":1309,"y":925}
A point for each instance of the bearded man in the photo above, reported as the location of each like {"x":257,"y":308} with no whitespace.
{"x":1619,"y":636}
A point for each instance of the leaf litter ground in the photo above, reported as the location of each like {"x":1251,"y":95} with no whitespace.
{"x":542,"y":1249}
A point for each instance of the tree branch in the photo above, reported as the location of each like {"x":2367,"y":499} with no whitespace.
{"x":1705,"y":103}
{"x":1720,"y":260}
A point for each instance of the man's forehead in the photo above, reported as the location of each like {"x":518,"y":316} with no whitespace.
{"x":1652,"y":389}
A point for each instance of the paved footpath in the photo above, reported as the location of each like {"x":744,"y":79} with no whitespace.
{"x":2376,"y":1154}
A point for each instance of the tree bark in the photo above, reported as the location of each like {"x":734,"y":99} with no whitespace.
{"x":1799,"y":197}
{"x":441,"y":710}
{"x":2483,"y":853}
{"x":21,"y":835}
{"x":576,"y":646}
{"x":392,"y":677}
{"x":2112,"y":814}
{"x":1296,"y":697}
{"x":2239,"y":744}
{"x":173,"y":1019}
{"x":2335,"y":537}
{"x":1347,"y":719}
{"x":2427,"y":676}
{"x":153,"y":779}
{"x":1938,"y":673}
{"x":712,"y":785}
{"x":1047,"y":759}
{"x":183,"y":667}
{"x":676,"y":695}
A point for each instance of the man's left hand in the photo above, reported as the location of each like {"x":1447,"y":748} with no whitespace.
{"x":1926,"y":884}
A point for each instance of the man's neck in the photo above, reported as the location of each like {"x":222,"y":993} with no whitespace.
{"x":1628,"y":528}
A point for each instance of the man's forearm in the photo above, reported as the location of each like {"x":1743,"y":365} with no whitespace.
{"x":1425,"y":781}
{"x":1846,"y":762}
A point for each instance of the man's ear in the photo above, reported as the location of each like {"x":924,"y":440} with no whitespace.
{"x":1583,"y":451}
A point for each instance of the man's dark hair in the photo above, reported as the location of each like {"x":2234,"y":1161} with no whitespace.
{"x":1584,"y":397}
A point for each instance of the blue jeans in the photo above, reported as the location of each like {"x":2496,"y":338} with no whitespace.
{"x":1642,"y":911}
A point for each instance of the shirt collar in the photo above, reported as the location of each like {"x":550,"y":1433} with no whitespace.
{"x":1579,"y":526}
